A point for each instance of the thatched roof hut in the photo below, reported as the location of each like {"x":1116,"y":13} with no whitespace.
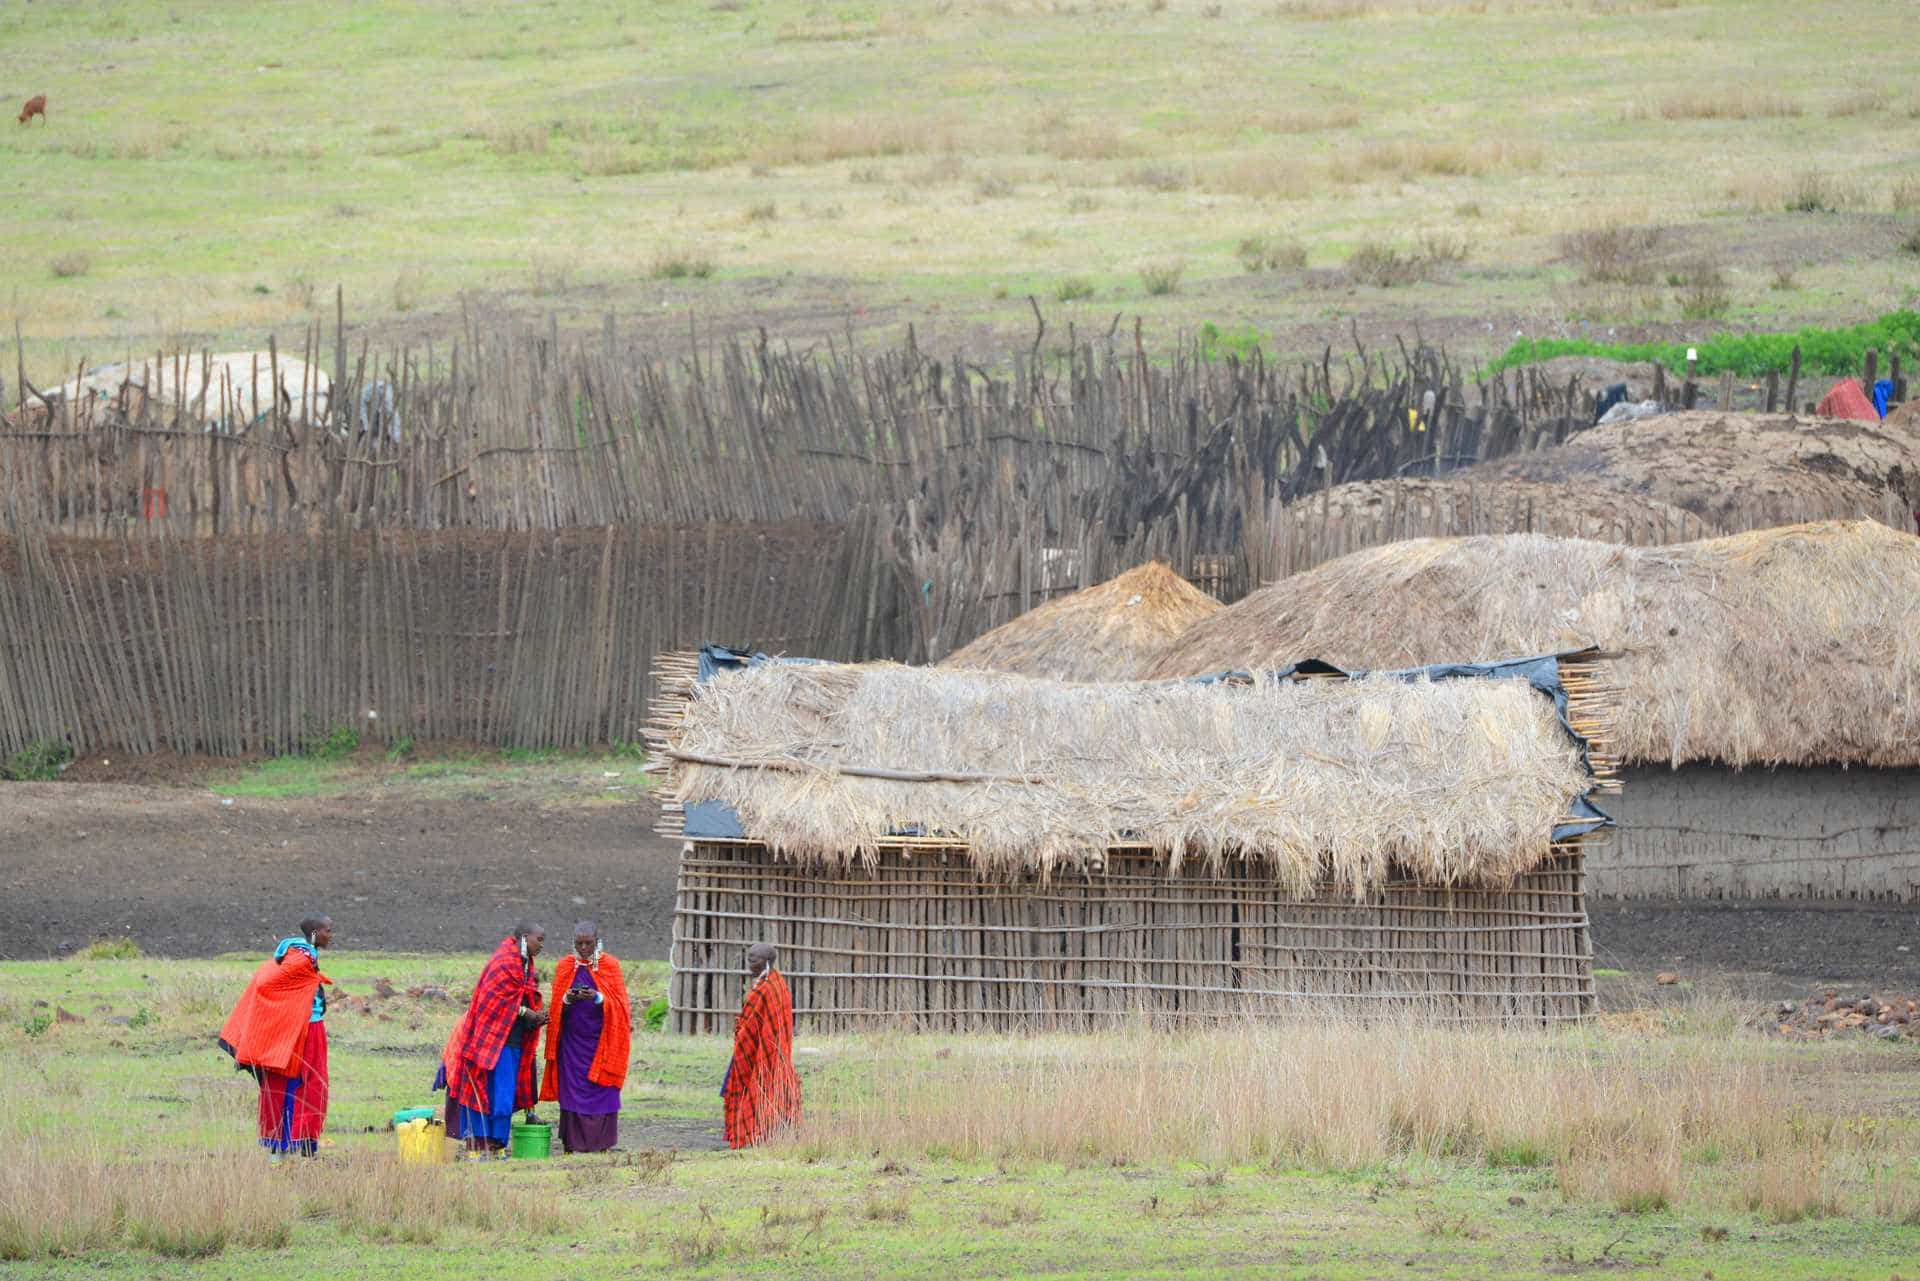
{"x":1791,"y":647}
{"x":1024,"y":820}
{"x":1738,"y":471}
{"x":1111,"y":632}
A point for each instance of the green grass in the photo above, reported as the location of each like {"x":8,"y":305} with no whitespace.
{"x":140,"y":1077}
{"x":1822,"y":351}
{"x":636,"y":147}
{"x":547,"y":775}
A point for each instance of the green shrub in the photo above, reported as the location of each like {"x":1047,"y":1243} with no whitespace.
{"x":1822,"y":351}
{"x":117,"y":949}
{"x":336,"y":744}
{"x":1073,"y":289}
{"x":39,"y":762}
{"x":656,"y":1017}
{"x":1162,"y":277}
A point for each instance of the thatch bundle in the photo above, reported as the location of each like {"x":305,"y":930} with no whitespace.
{"x":1467,"y":501}
{"x":1795,"y":645}
{"x":1110,"y":632}
{"x":1460,"y":782}
{"x":1736,"y":470}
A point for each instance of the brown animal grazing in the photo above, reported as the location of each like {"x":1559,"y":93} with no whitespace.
{"x":36,"y":106}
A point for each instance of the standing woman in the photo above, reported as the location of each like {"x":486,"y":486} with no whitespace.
{"x":278,"y":1032}
{"x":487,"y":1066}
{"x":761,"y":1091}
{"x":589,"y":1031}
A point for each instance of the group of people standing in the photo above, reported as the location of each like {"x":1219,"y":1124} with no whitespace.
{"x":491,"y":1065}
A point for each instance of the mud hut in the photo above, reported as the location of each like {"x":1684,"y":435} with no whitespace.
{"x":1770,"y":726}
{"x":1111,"y":632}
{"x":960,"y":849}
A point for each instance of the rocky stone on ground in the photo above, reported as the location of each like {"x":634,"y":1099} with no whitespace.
{"x":1831,"y":1012}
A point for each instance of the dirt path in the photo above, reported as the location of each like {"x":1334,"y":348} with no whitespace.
{"x":187,"y":875}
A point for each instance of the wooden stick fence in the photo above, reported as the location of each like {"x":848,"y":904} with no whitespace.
{"x":231,"y":646}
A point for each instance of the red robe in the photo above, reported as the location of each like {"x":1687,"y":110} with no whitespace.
{"x":762,"y":1093}
{"x":271,"y":1032}
{"x":473,"y":1050}
{"x":610,"y":1056}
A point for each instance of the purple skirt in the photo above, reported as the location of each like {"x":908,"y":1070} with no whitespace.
{"x":580,"y":1132}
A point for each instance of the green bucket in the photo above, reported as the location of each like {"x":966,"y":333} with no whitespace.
{"x":531,"y":1142}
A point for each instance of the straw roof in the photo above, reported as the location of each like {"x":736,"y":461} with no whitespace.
{"x":1109,"y":632}
{"x":1729,"y":468}
{"x":1467,"y":501}
{"x":1459,"y":781}
{"x":1794,"y":645}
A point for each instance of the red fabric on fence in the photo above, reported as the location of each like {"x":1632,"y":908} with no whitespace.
{"x":1848,"y":399}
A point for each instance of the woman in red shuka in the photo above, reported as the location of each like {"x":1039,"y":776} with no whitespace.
{"x":761,"y":1091}
{"x":277,"y":1031}
{"x":487,"y":1065}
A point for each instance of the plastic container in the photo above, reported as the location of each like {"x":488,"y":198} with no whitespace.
{"x":405,"y":1115}
{"x":531,"y":1142}
{"x":423,"y":1141}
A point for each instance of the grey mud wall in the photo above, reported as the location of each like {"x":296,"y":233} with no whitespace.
{"x":1714,"y":833}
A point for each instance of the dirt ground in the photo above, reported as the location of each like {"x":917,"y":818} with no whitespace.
{"x":186,"y":875}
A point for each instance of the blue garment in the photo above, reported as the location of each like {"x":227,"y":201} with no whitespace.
{"x":1882,"y":395}
{"x":496,"y":1122}
{"x":319,"y":993}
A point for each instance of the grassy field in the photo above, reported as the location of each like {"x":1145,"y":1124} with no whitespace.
{"x":1670,"y":1143}
{"x":208,"y":172}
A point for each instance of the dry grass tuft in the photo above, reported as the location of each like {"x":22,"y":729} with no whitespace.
{"x":1857,"y":102}
{"x":1904,"y":195}
{"x":1065,"y":139}
{"x":680,"y":263}
{"x":1266,"y":175}
{"x":55,"y":1201}
{"x":859,"y":137}
{"x":1162,"y":178}
{"x":1271,"y":253}
{"x":67,"y":266}
{"x":881,"y":1206}
{"x":1614,"y":254}
{"x":1382,"y":266}
{"x":1323,"y":10}
{"x":1720,"y":104}
{"x":410,"y":288}
{"x":1610,"y":1119}
{"x":1162,"y":278}
{"x":1305,"y":120}
{"x":610,"y":160}
{"x":1702,"y":291}
{"x":1789,"y":1187}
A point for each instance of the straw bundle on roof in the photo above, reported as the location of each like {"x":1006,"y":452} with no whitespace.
{"x":1729,"y":469}
{"x":1797,"y":645}
{"x":1459,"y":782}
{"x":1467,"y":502}
{"x":1110,"y":632}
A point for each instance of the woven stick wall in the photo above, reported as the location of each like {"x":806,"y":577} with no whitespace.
{"x":923,"y":941}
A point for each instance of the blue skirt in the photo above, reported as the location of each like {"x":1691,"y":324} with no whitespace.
{"x":496,"y":1123}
